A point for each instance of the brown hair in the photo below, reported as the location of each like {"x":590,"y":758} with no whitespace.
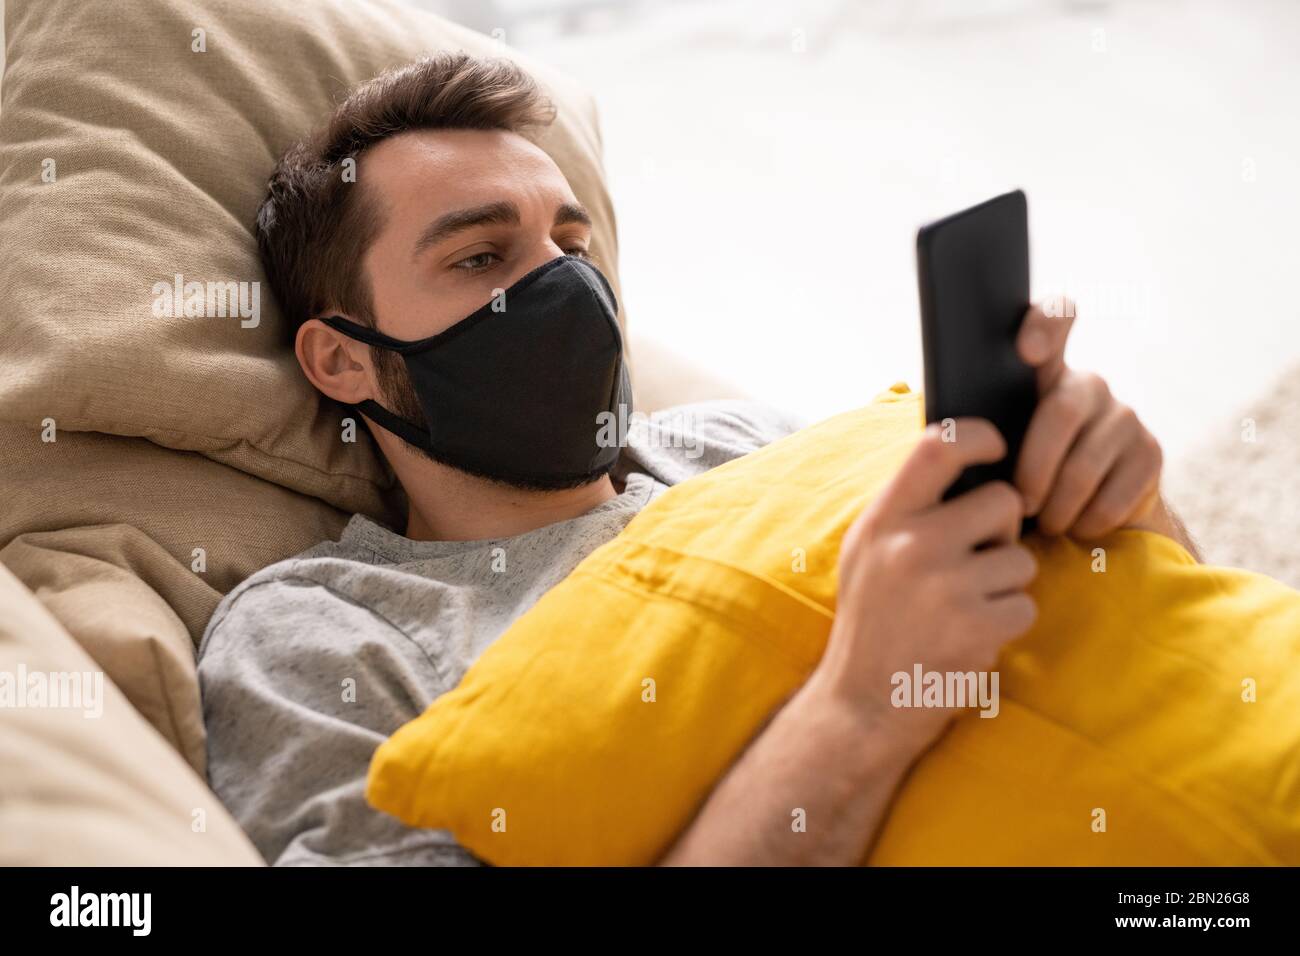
{"x":313,"y":230}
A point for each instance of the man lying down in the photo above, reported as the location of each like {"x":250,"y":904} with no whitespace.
{"x":447,"y":293}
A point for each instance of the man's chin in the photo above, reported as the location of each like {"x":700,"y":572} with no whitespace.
{"x":557,"y":484}
{"x":565,"y":483}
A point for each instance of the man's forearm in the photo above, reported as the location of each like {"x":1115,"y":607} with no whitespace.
{"x":810,"y":790}
{"x":1162,"y":520}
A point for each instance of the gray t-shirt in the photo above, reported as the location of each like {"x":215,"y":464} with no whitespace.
{"x":310,"y":664}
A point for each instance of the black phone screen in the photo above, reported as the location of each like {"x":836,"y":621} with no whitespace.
{"x":973,"y":271}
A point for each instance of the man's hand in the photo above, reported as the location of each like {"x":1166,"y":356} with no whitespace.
{"x":921,"y":581}
{"x":930,"y":582}
{"x":1088,"y":465}
{"x":939,"y":583}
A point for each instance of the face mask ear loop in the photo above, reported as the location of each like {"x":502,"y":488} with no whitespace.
{"x":391,"y":423}
{"x":363,"y":333}
{"x":370,"y":408}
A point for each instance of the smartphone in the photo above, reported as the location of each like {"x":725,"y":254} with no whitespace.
{"x":973,"y":272}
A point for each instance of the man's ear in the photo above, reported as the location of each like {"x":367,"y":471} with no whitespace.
{"x":337,"y":365}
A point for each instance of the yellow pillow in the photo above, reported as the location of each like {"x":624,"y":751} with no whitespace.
{"x":591,"y":731}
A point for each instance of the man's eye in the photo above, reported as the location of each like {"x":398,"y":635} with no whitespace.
{"x":578,"y":251}
{"x":477,"y":262}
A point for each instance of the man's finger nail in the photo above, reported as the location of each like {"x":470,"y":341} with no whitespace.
{"x":1036,"y":345}
{"x":1030,"y":503}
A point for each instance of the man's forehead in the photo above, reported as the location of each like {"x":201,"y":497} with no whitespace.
{"x":461,"y":165}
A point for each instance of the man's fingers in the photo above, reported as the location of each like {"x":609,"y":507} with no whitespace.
{"x":1058,"y":420}
{"x":937,"y":460}
{"x":1041,"y":339}
{"x":1092,"y":458}
{"x":1126,"y":492}
{"x":1001,"y":570}
{"x":1010,"y":615}
{"x":989,"y":513}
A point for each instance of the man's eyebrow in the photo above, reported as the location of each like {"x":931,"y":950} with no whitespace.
{"x":572,"y":212}
{"x":445,"y":226}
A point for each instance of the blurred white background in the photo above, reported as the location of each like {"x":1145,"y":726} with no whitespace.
{"x":770,"y":162}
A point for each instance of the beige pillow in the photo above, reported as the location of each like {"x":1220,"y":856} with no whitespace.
{"x":187,"y":452}
{"x":92,"y":784}
{"x":128,"y":157}
{"x":158,"y":156}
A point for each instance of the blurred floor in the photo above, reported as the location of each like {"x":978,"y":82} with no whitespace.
{"x":1238,"y":490}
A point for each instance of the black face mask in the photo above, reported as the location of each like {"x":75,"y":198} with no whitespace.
{"x":523,"y":390}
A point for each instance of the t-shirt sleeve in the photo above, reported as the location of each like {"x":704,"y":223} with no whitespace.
{"x":677,"y":443}
{"x":299,"y":687}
